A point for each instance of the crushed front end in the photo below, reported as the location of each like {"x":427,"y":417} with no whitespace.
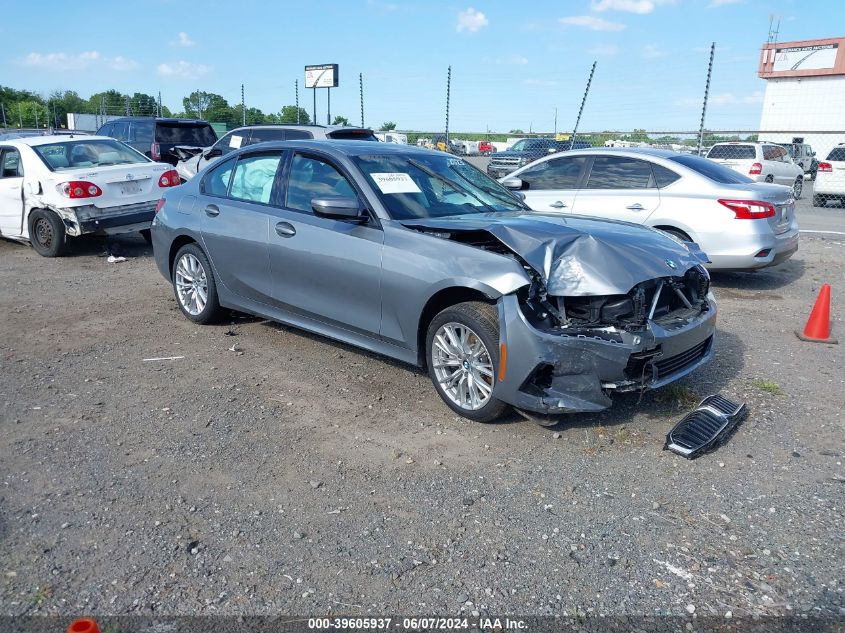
{"x":569,"y":354}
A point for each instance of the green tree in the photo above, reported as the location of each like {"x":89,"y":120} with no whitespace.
{"x":208,"y":106}
{"x":340,"y":120}
{"x":387,"y":126}
{"x":288,"y":115}
{"x":143,"y":104}
{"x":112,"y":101}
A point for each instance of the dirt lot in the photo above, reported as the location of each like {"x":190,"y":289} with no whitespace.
{"x":272,"y":471}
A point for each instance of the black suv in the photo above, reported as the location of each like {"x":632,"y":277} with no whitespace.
{"x":156,"y":137}
{"x":525,"y":151}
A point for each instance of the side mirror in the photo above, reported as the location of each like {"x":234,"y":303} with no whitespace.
{"x":514,"y":184}
{"x":337,"y":207}
{"x":214,"y":152}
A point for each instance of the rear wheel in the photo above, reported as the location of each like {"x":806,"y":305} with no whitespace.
{"x":462,"y":349}
{"x":798,"y":187}
{"x":194,"y":286}
{"x":47,"y":233}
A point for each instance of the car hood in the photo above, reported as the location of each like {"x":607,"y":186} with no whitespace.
{"x":576,"y":256}
{"x":508,"y":153}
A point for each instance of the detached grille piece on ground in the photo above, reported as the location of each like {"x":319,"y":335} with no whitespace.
{"x":705,"y":427}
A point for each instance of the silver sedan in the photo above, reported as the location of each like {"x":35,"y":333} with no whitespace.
{"x":740,"y":224}
{"x":419,"y":256}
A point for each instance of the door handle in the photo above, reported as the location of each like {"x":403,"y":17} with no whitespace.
{"x":558,"y":205}
{"x":212,"y":211}
{"x":285,"y":229}
{"x":635,"y":207}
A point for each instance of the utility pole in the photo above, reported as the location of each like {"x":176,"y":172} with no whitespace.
{"x":328,"y":106}
{"x":448,"y":88}
{"x":706,"y":94}
{"x":243,"y":107}
{"x":3,"y":109}
{"x":159,"y":103}
{"x":296,"y":88}
{"x":555,"y":122}
{"x":361,"y":89}
{"x":315,"y":103}
{"x":20,"y":115}
{"x":127,"y":107}
{"x":36,"y":116}
{"x":581,"y":109}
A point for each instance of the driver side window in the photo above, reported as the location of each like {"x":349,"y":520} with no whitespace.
{"x":10,"y":164}
{"x":313,"y":178}
{"x":559,"y":173}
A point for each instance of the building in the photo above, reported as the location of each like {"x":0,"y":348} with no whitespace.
{"x":805,"y":92}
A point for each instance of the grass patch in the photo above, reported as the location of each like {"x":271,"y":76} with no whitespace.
{"x":768,"y":386}
{"x":678,"y":395}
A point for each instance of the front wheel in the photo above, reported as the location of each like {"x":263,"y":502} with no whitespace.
{"x":194,"y":286}
{"x":798,"y":187}
{"x":462,"y":349}
{"x":47,"y":233}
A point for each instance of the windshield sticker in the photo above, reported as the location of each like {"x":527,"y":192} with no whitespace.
{"x":395,"y":183}
{"x":452,"y":162}
{"x":236,"y":141}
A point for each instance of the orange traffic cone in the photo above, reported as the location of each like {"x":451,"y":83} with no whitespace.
{"x":817,"y":329}
{"x":83,"y":625}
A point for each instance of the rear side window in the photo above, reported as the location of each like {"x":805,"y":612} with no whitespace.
{"x":736,"y":152}
{"x":616,"y":172}
{"x":837,"y":153}
{"x":201,"y":135}
{"x":254,"y":176}
{"x":294,"y":135}
{"x":774,"y":152}
{"x":353,"y":135}
{"x":120,"y":130}
{"x":141,"y":132}
{"x":560,"y":173}
{"x":266,"y":135}
{"x":663,"y":176}
{"x":216,"y":181}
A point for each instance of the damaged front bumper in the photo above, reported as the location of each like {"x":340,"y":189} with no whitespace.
{"x":552,"y":372}
{"x":90,"y":219}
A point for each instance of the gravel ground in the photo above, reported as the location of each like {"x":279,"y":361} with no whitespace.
{"x":271,"y":471}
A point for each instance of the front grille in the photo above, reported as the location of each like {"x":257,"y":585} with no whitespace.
{"x":710,"y":424}
{"x":668,"y":366}
{"x":504,"y":161}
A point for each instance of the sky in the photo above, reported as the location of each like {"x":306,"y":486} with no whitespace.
{"x":514,"y":64}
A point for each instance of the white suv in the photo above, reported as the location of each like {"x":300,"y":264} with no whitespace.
{"x":830,"y":179}
{"x":760,"y":161}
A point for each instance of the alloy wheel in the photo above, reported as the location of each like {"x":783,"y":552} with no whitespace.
{"x":191,"y":284}
{"x":798,"y":187}
{"x":462,"y":366}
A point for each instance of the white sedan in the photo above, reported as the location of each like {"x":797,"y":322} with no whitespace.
{"x":740,"y":224}
{"x":55,"y":187}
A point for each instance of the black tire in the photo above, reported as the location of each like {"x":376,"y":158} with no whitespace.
{"x":47,"y":233}
{"x":770,"y":178}
{"x":148,"y":238}
{"x":819,"y":200}
{"x":211,"y":311}
{"x":483,"y":319}
{"x":798,"y":187}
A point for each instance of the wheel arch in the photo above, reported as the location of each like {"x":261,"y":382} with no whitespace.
{"x":441,"y":300}
{"x":175,"y":245}
{"x":665,"y":226}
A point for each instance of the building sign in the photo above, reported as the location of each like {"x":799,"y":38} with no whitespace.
{"x":821,"y":57}
{"x":321,"y":76}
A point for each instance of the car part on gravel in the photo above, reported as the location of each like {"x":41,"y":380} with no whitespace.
{"x":709,"y":425}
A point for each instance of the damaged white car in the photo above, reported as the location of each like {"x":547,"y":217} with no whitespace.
{"x":56,"y":187}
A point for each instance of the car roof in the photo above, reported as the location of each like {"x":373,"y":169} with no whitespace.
{"x":157,"y":119}
{"x":633,"y":151}
{"x":56,"y":138}
{"x":347,"y":147}
{"x":297,"y":126}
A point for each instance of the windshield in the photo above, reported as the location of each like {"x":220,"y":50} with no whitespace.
{"x":94,"y":153}
{"x":713,"y":171}
{"x":424,"y":186}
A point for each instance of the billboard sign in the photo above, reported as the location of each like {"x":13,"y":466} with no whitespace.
{"x":821,"y":57}
{"x":321,"y":76}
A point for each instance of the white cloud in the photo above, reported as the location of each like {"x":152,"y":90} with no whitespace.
{"x":651,"y":51}
{"x":630,"y":6}
{"x":183,"y":41}
{"x":471,"y":20}
{"x":720,"y":3}
{"x":539,"y":82}
{"x":122,"y":64}
{"x":592,"y":23}
{"x":60,"y":61}
{"x":604,"y":50}
{"x":182,"y":69}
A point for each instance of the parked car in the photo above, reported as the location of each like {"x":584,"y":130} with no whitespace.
{"x":55,"y":187}
{"x":830,"y":181}
{"x":157,"y":137}
{"x":195,"y":159}
{"x":485,"y":148}
{"x":526,"y":151}
{"x":802,"y":154}
{"x":419,"y":256}
{"x":762,"y":162}
{"x":740,"y":224}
